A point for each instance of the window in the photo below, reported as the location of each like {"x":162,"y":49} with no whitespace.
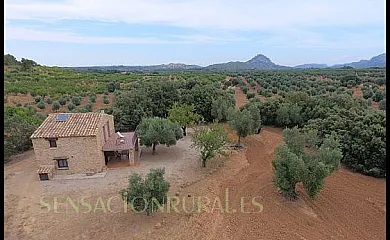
{"x":53,"y":143}
{"x":43,"y":176}
{"x":62,"y":163}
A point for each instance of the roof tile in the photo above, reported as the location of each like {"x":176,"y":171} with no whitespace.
{"x":77,"y":125}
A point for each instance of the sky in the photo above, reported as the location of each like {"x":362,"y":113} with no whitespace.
{"x":201,"y":32}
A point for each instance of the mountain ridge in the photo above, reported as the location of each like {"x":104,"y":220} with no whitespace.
{"x":258,"y":62}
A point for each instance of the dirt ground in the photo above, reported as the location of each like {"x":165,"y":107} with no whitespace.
{"x":350,"y":206}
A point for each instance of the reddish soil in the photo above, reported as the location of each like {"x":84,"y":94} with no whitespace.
{"x":357,"y":92}
{"x":240,"y":97}
{"x":19,"y":98}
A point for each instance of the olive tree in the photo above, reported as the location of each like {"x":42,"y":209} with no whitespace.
{"x":210,"y":142}
{"x":147,"y":194}
{"x":242,"y":123}
{"x":155,"y":131}
{"x":296,"y":161}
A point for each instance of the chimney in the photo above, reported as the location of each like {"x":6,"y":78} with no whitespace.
{"x":120,"y":139}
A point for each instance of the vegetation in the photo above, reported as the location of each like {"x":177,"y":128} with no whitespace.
{"x":210,"y":141}
{"x":312,"y":99}
{"x":19,"y":124}
{"x":184,"y":115}
{"x":155,"y":131}
{"x":222,"y":108}
{"x":311,"y":165}
{"x":55,"y":106}
{"x":148,"y":194}
{"x":243,"y":123}
{"x":41,"y":105}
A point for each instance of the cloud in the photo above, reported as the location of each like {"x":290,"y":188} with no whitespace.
{"x":216,"y":14}
{"x":321,"y":39}
{"x":66,"y":36}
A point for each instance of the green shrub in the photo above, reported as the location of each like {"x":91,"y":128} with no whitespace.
{"x":142,"y":193}
{"x":55,"y":106}
{"x":41,"y":105}
{"x":382,"y":104}
{"x":92,"y":98}
{"x":250,"y":95}
{"x":37,"y":99}
{"x":62,"y":101}
{"x":244,"y":89}
{"x":71,"y":106}
{"x":76,"y":100}
{"x":48,"y":100}
{"x":88,"y":107}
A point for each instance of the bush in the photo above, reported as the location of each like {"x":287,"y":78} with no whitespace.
{"x":18,"y":104}
{"x":21,"y":123}
{"x":369,"y":102}
{"x":41,"y":105}
{"x":92,"y":99}
{"x":148,"y":193}
{"x":250,"y":95}
{"x":71,"y":106}
{"x":76,"y":100}
{"x":62,"y":101}
{"x":88,"y":107}
{"x":293,"y":164}
{"x":48,"y":100}
{"x":55,"y":106}
{"x":37,"y":99}
{"x":378,"y":96}
{"x":382,"y":104}
{"x":244,"y":89}
{"x":106,"y":100}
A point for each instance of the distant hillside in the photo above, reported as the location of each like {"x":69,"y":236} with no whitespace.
{"x":259,"y":62}
{"x":312,"y":65}
{"x":170,"y":66}
{"x":377,"y":61}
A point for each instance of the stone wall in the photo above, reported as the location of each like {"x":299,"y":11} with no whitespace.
{"x":83,"y":153}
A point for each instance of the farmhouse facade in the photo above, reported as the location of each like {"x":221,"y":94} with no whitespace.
{"x":68,"y":143}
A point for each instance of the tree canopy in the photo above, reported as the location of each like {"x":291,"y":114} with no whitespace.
{"x":184,"y":115}
{"x":296,"y":162}
{"x":210,"y":141}
{"x":146,"y":194}
{"x":154,"y":131}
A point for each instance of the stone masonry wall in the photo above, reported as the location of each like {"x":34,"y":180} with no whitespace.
{"x":83,"y":153}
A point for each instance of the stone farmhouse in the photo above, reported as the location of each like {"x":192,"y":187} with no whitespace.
{"x":68,"y":143}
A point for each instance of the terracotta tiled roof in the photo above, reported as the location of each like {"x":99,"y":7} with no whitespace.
{"x":76,"y":125}
{"x":114,"y":143}
{"x":44,"y":169}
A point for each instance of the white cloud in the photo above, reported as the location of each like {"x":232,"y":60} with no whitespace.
{"x":216,"y":14}
{"x":66,"y":36}
{"x":299,"y":38}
